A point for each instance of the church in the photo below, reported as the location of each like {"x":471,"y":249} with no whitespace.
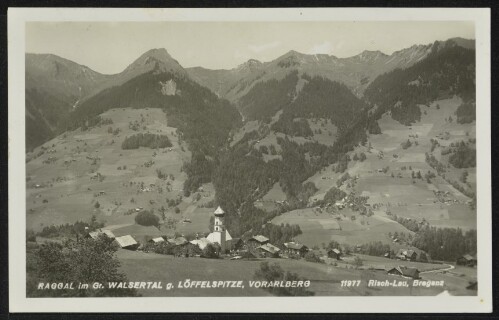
{"x":219,"y":235}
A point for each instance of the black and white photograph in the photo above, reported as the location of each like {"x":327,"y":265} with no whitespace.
{"x":300,"y":158}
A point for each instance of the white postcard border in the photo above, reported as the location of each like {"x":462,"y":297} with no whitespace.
{"x":17,"y":17}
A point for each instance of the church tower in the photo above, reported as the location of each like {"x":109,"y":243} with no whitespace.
{"x":219,"y":227}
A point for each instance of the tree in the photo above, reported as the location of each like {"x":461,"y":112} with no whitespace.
{"x":362,"y":156}
{"x":147,"y":218}
{"x":312,"y":257}
{"x":211,"y":251}
{"x":163,"y":210}
{"x":358,"y":262}
{"x":464,"y":176}
{"x":83,"y":261}
{"x":177,"y":210}
{"x":97,"y":205}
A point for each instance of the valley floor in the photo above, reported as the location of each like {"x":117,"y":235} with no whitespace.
{"x":325,"y":278}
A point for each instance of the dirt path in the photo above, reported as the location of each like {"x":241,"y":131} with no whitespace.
{"x":449,"y":267}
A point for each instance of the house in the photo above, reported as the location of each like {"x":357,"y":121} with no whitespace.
{"x":127,"y":242}
{"x":473,"y":286}
{"x":234,"y":244}
{"x":404,"y":272}
{"x":157,"y":240}
{"x":258,"y":240}
{"x":295,"y":248}
{"x":405,"y":254}
{"x":269,"y":250}
{"x":334,"y":253}
{"x":467,"y":260}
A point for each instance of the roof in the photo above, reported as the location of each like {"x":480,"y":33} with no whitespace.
{"x":219,"y":211}
{"x":126,"y":241}
{"x":469,"y":257}
{"x":260,"y":238}
{"x":201,"y":243}
{"x":269,"y":248}
{"x":180,"y":241}
{"x":406,"y":271}
{"x":157,"y":240}
{"x":108,"y":233}
{"x":406,"y":252}
{"x":217,"y":237}
{"x":94,"y":234}
{"x":337,"y":251}
{"x":294,"y":245}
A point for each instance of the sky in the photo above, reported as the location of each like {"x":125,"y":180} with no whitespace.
{"x":109,"y":47}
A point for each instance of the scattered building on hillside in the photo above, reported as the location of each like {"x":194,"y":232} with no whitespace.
{"x":127,"y":242}
{"x":157,"y":240}
{"x":467,"y":260}
{"x":405,"y":254}
{"x":295,"y":248}
{"x":404,"y":272}
{"x":268,"y":250}
{"x":334,"y":253}
{"x":219,"y":235}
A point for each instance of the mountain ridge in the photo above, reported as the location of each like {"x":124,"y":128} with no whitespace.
{"x":355,"y":71}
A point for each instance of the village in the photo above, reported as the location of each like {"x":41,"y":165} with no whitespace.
{"x":405,"y":264}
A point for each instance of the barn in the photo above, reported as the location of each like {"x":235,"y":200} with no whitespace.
{"x":127,"y":242}
{"x":257,"y":241}
{"x":406,"y":254}
{"x":334,"y":253}
{"x":294,"y":248}
{"x":268,"y":250}
{"x":467,"y":260}
{"x":404,"y":272}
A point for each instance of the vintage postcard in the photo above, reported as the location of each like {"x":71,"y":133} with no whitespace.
{"x":249,"y":160}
